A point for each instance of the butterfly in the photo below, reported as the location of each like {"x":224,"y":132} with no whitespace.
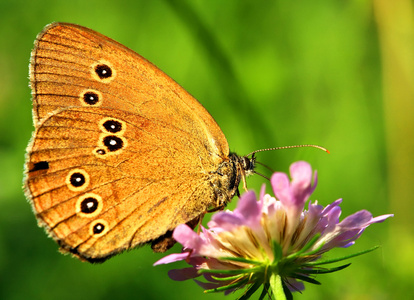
{"x":121,"y":154}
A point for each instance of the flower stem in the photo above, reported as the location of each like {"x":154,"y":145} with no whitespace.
{"x":277,"y":286}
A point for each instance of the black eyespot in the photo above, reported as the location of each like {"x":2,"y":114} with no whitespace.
{"x":89,"y":205}
{"x":112,"y":126}
{"x":90,"y":98}
{"x":101,"y":151}
{"x":77,"y":179}
{"x":98,"y":228}
{"x":103,"y":71}
{"x":113,"y":142}
{"x":41,"y":165}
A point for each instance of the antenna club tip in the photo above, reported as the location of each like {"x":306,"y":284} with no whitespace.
{"x":327,"y":151}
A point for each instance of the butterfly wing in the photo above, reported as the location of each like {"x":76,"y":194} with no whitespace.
{"x":121,"y":153}
{"x":64,"y":66}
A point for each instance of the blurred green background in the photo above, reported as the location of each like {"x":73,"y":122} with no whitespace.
{"x":272,"y":73}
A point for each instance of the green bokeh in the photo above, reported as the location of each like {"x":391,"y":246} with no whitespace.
{"x":272,"y":73}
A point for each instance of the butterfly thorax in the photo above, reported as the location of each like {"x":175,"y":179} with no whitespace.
{"x":227,"y":177}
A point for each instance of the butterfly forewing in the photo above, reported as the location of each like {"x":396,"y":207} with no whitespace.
{"x":63,"y":68}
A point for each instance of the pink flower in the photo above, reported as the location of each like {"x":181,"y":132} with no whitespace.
{"x":273,"y":242}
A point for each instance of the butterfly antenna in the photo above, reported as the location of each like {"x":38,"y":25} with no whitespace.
{"x":266,"y":166}
{"x":264,"y":176}
{"x":289,"y":147}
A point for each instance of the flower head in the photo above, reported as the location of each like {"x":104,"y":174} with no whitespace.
{"x":272,"y":241}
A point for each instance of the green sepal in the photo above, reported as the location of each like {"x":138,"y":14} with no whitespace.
{"x":329,"y":261}
{"x":233,"y":271}
{"x":227,"y":278}
{"x":241,"y":259}
{"x":265,"y":291}
{"x":324,"y":270}
{"x":306,"y":248}
{"x":227,"y":287}
{"x":250,"y":291}
{"x":305,"y":278}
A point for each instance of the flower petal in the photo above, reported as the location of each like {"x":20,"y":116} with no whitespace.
{"x":171,"y":258}
{"x":187,"y":237}
{"x":183,"y":274}
{"x":350,"y":229}
{"x":248,"y":213}
{"x":281,"y":188}
{"x":301,"y":173}
{"x":225,"y":221}
{"x":294,"y":285}
{"x":249,"y":209}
